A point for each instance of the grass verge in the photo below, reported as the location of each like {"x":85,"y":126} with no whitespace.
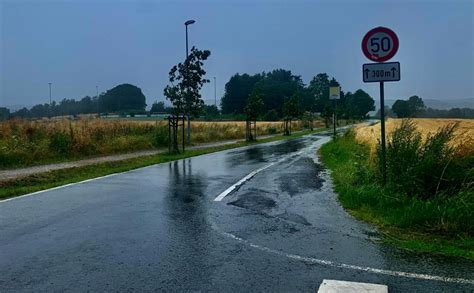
{"x":42,"y":181}
{"x":439,"y":225}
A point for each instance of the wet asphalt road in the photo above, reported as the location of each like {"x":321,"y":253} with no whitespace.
{"x":158,"y":228}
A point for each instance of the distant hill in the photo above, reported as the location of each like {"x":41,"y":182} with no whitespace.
{"x":436,"y":104}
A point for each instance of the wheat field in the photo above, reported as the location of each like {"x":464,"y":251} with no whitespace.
{"x":464,"y":134}
{"x":25,"y":142}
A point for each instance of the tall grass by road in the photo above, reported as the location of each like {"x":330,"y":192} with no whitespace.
{"x":27,"y":143}
{"x":428,"y":201}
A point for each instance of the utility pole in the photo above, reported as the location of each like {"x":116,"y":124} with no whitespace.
{"x":50,"y":110}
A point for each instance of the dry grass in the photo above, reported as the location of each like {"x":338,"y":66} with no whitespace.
{"x":464,"y":133}
{"x":24,"y":142}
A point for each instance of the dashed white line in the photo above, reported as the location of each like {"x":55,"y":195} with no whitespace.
{"x":348,"y":266}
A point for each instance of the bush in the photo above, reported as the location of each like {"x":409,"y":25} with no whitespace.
{"x":60,"y":142}
{"x":160,"y":137}
{"x":427,"y":168}
{"x":271,"y":130}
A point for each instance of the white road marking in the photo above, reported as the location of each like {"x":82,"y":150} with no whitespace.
{"x":348,"y":266}
{"x":241,"y":181}
{"x":70,"y":184}
{"x":249,"y":176}
{"x":336,"y":286}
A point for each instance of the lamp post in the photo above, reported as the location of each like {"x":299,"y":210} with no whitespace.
{"x":97,"y":97}
{"x":189,"y":22}
{"x":50,"y":110}
{"x":215,"y":93}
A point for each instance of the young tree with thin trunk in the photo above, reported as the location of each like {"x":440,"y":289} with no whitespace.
{"x":186,"y":81}
{"x":291,"y":110}
{"x":253,"y":109}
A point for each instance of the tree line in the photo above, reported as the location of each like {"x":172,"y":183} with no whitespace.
{"x":415,"y":107}
{"x":281,"y":87}
{"x":124,"y":98}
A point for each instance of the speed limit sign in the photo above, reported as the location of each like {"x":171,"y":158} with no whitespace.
{"x":380,"y":44}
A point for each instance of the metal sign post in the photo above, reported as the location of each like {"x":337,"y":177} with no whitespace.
{"x":382,"y":132}
{"x":334,"y":94}
{"x":381,"y":44}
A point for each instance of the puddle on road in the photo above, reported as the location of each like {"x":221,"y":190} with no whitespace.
{"x":304,"y":175}
{"x":254,"y":202}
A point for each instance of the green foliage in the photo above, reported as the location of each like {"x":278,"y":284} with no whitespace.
{"x":160,"y":136}
{"x":158,"y":107}
{"x":276,"y":86}
{"x":271,"y":115}
{"x":4,"y":113}
{"x":124,"y":97}
{"x":254,"y":106}
{"x":185,"y":94}
{"x":271,"y":130}
{"x":426,"y":169}
{"x":291,"y":107}
{"x":465,"y":113}
{"x":237,"y":90}
{"x":441,"y":224}
{"x":211,"y":112}
{"x":358,"y":105}
{"x":416,"y":105}
{"x":411,"y":108}
{"x":61,"y":143}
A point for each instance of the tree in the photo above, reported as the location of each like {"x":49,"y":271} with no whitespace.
{"x":358,"y":105}
{"x":254,"y":106}
{"x":158,"y":107}
{"x":291,"y":110}
{"x":185,"y":95}
{"x":275,"y":86}
{"x":411,"y":108}
{"x":22,"y":113}
{"x":237,"y":90}
{"x":388,"y":113}
{"x":4,"y":113}
{"x":416,"y":105}
{"x":211,"y":111}
{"x":401,"y":108}
{"x":124,"y":97}
{"x":253,"y":109}
{"x":318,"y":90}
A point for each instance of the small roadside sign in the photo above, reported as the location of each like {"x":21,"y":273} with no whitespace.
{"x":376,"y":72}
{"x":335,"y":93}
{"x":380,"y":44}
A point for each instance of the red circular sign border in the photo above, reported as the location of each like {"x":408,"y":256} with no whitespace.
{"x":380,"y":29}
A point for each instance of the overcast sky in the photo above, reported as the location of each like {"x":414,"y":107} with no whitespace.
{"x":78,"y":44}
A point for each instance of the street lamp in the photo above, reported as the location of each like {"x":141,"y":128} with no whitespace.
{"x":191,"y":21}
{"x":49,"y":100}
{"x":215,"y":95}
{"x":97,"y":97}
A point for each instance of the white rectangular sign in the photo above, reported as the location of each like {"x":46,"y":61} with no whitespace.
{"x":376,"y":72}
